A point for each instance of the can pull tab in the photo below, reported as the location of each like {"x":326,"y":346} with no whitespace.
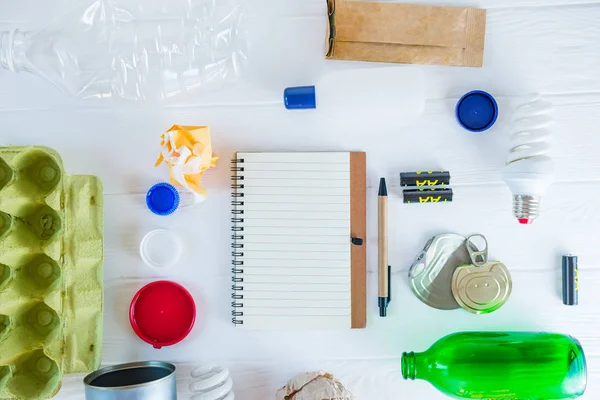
{"x":418,"y":266}
{"x":479,"y":258}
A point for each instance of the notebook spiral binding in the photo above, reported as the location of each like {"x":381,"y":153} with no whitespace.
{"x":237,"y":212}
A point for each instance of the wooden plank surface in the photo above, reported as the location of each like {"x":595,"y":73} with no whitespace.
{"x":532,"y":45}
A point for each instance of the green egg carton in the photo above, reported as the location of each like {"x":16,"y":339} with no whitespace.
{"x":51,"y":259}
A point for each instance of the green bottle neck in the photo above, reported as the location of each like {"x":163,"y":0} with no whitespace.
{"x":414,"y":366}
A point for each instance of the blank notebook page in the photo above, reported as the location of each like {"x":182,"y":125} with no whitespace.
{"x":292,"y":255}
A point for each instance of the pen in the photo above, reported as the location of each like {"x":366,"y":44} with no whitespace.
{"x":385,"y":295}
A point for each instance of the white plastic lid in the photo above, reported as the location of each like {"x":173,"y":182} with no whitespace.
{"x":160,"y":249}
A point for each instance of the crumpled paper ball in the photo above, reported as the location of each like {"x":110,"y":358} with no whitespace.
{"x":314,"y":386}
{"x":187,"y":150}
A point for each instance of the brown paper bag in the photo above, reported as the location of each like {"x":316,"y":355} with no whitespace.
{"x":405,"y":33}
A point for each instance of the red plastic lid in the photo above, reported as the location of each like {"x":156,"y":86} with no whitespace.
{"x":162,"y":313}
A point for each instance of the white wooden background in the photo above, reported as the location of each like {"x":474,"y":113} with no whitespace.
{"x":550,"y":46}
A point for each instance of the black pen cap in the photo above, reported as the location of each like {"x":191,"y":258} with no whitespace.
{"x":382,"y":187}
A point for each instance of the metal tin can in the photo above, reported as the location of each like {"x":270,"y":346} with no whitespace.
{"x":482,"y":290}
{"x":148,"y":380}
{"x":430,"y":275}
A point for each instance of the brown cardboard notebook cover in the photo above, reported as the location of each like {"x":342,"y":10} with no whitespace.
{"x":358,"y":229}
{"x":406,"y":33}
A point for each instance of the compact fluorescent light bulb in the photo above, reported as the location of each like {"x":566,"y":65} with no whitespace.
{"x":529,"y":169}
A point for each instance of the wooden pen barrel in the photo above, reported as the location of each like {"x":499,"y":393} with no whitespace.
{"x":383,"y":245}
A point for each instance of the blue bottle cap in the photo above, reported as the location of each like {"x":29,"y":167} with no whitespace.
{"x":300,"y":98}
{"x":477,"y":111}
{"x":162,"y":199}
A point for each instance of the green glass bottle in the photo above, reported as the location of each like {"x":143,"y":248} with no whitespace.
{"x":502,"y":365}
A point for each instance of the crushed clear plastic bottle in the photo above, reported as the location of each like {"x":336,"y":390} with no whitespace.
{"x":133,"y":49}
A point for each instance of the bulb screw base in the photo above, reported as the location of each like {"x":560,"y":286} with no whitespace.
{"x":526,"y":208}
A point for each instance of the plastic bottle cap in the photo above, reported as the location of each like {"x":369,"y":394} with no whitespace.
{"x":162,"y":199}
{"x":162,"y":313}
{"x":160,"y":249}
{"x":477,"y":111}
{"x":300,"y":98}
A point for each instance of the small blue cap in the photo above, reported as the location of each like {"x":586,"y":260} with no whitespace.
{"x":477,"y":111}
{"x":162,"y":199}
{"x":300,"y":98}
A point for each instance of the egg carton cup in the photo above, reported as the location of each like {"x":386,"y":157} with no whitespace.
{"x":51,"y":261}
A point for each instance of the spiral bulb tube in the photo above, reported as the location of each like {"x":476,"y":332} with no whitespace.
{"x":529,"y":167}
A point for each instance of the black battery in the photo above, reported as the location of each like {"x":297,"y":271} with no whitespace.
{"x":425,"y":178}
{"x":427,"y":196}
{"x":570,"y":280}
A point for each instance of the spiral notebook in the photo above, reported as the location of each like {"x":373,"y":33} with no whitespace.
{"x":299,"y":240}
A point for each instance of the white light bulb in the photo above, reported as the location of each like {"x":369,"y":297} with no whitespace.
{"x":529,"y":169}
